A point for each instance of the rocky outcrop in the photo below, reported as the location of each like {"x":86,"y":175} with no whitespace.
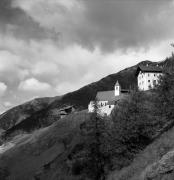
{"x":160,"y":170}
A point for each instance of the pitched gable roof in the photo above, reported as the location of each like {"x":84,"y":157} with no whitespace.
{"x":148,"y":69}
{"x":109,"y":96}
{"x":105,"y":96}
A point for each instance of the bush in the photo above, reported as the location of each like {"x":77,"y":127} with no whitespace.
{"x":77,"y":167}
{"x":4,"y":173}
{"x":135,"y":123}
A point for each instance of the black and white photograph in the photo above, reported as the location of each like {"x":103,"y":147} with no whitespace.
{"x":86,"y":89}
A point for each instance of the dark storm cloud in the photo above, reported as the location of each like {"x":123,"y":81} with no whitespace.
{"x":108,"y":24}
{"x":115,"y":24}
{"x":15,"y":21}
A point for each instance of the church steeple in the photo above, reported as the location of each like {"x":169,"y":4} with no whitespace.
{"x":117,"y":89}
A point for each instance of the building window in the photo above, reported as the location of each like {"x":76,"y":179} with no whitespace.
{"x":154,"y":82}
{"x":148,"y":74}
{"x":109,"y":106}
{"x":148,"y":81}
{"x":154,"y":75}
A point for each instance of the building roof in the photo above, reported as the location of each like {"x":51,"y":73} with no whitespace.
{"x":108,"y":96}
{"x":66,"y":108}
{"x":63,"y":113}
{"x":105,"y":96}
{"x":148,"y":68}
{"x":117,"y":84}
{"x":111,"y":102}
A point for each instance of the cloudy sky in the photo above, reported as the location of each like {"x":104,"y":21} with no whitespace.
{"x":50,"y":47}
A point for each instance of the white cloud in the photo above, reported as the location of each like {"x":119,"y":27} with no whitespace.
{"x":45,"y":68}
{"x":3,"y":88}
{"x":33,"y":84}
{"x":57,"y":69}
{"x":8,"y":104}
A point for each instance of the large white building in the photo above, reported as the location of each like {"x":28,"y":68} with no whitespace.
{"x":107,"y":100}
{"x":148,"y":76}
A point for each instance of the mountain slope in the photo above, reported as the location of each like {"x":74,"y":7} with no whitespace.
{"x":43,"y":151}
{"x":156,"y":162}
{"x":41,"y":114}
{"x":44,"y":154}
{"x":21,"y":112}
{"x":35,"y":114}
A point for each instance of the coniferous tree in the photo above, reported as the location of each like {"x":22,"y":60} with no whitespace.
{"x":134,"y":126}
{"x":165,"y":95}
{"x":97,"y":147}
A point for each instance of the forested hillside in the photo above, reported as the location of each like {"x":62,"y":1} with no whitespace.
{"x":120,"y":147}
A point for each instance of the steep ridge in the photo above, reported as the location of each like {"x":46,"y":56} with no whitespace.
{"x":39,"y":113}
{"x":43,"y":151}
{"x":156,"y":162}
{"x":31,"y":116}
{"x":44,"y":154}
{"x":19,"y":113}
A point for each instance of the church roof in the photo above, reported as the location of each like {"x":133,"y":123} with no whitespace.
{"x":149,"y":68}
{"x":108,"y":96}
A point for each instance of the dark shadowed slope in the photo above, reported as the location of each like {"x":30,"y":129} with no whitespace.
{"x":45,"y":154}
{"x":19,"y":113}
{"x":156,"y":162}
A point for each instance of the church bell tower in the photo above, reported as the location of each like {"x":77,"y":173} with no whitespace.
{"x":117,"y":89}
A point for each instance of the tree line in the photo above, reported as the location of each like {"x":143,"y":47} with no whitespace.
{"x":112,"y":142}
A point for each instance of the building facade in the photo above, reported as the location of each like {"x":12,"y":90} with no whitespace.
{"x":148,"y":76}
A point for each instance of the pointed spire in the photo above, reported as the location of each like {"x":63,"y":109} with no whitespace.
{"x":117,"y":83}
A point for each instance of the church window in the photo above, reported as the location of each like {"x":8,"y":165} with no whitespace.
{"x":148,"y":74}
{"x":154,"y":75}
{"x":149,"y":81}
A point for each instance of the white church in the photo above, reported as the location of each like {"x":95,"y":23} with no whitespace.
{"x":147,"y":78}
{"x":107,"y":100}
